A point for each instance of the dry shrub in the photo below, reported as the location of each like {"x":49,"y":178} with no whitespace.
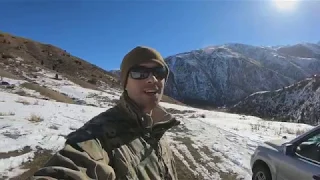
{"x":21,"y":92}
{"x":36,"y":102}
{"x":7,"y":74}
{"x":23,"y":101}
{"x":35,"y":119}
{"x":7,"y":114}
{"x":48,"y":93}
{"x":301,"y":131}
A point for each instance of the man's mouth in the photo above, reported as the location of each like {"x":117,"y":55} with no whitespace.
{"x":151,"y":91}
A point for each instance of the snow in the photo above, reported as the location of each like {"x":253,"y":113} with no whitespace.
{"x":72,"y":90}
{"x":313,"y":47}
{"x":229,"y":138}
{"x":234,"y":136}
{"x":209,"y":49}
{"x":259,"y":92}
{"x":13,"y":81}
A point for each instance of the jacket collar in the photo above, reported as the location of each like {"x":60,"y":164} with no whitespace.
{"x":159,"y":117}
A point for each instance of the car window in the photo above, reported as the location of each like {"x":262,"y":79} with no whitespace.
{"x":310,"y":148}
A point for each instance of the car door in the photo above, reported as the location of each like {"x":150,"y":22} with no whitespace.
{"x":304,"y":163}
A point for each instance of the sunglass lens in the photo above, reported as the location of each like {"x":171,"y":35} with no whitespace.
{"x":143,"y":72}
{"x":160,"y":72}
{"x":139,"y":74}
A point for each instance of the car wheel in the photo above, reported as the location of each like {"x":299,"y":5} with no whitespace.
{"x":261,"y":172}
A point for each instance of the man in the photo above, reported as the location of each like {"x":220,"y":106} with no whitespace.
{"x":126,"y":141}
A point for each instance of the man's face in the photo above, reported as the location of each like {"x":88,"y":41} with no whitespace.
{"x":144,"y":87}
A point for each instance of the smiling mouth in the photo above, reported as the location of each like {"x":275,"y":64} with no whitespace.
{"x":151,"y":91}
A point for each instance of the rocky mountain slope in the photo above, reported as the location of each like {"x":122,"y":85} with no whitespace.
{"x":223,"y":75}
{"x":306,"y":50}
{"x":297,"y":103}
{"x":32,"y":54}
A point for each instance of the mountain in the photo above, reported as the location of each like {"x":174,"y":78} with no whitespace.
{"x":223,"y":75}
{"x":298,"y":102}
{"x":306,"y":50}
{"x":115,"y":73}
{"x":35,"y":54}
{"x":294,"y":67}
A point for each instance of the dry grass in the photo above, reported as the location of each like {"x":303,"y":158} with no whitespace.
{"x":265,"y":126}
{"x":235,"y":128}
{"x":48,"y":93}
{"x":15,"y":153}
{"x":34,"y":118}
{"x":176,"y":111}
{"x":197,"y":116}
{"x":301,"y":131}
{"x":22,"y":101}
{"x":287,"y":130}
{"x":7,"y":74}
{"x":41,"y":157}
{"x":182,"y":169}
{"x":7,"y":114}
{"x":55,"y":127}
{"x":21,"y":92}
{"x":36,"y":102}
{"x":82,"y":83}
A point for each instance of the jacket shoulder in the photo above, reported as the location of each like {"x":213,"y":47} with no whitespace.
{"x":95,"y":125}
{"x":108,"y":128}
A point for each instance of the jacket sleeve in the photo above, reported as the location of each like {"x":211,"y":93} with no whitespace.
{"x":80,"y":161}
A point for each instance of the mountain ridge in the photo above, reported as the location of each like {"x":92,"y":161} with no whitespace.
{"x":298,"y":102}
{"x":50,"y":57}
{"x":223,"y":74}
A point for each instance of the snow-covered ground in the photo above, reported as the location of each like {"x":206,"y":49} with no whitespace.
{"x":212,"y":144}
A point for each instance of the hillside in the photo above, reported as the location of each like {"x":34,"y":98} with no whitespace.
{"x":296,"y":103}
{"x":223,"y":75}
{"x":19,"y":55}
{"x":23,"y":58}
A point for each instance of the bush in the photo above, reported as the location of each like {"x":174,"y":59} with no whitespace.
{"x":7,"y":56}
{"x":23,"y":101}
{"x":7,"y":114}
{"x":48,"y":93}
{"x":34,"y":118}
{"x":77,"y":62}
{"x":92,"y":81}
{"x":21,"y":93}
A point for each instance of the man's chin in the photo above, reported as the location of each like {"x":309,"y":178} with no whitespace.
{"x":150,"y":104}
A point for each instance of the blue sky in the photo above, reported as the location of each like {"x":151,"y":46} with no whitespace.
{"x":101,"y":32}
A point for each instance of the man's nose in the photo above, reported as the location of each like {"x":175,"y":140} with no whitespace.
{"x":152,"y":78}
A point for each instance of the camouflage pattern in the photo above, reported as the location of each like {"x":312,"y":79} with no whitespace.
{"x":120,"y":143}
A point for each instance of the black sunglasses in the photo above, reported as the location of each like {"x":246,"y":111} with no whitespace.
{"x":141,"y":72}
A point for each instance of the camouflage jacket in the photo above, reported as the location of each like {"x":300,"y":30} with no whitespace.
{"x":120,"y":143}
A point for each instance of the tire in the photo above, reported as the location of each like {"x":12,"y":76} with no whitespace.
{"x":261,"y":171}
